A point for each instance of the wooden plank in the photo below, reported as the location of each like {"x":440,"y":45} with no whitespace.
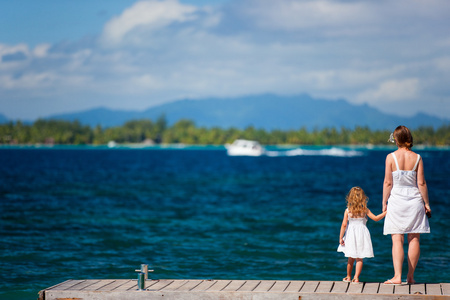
{"x":234,"y":286}
{"x":98,"y":285}
{"x":189,"y":286}
{"x":279,"y":286}
{"x":160,"y":285}
{"x":206,"y":284}
{"x":445,"y":289}
{"x":309,"y":287}
{"x":66,"y":284}
{"x":174,"y":285}
{"x":53,"y":286}
{"x":386,"y":289}
{"x":294,"y":287}
{"x":264,"y":286}
{"x":83,"y":285}
{"x":113,"y":285}
{"x":249,"y":286}
{"x":132,"y":284}
{"x":433,"y":289}
{"x":417,"y":289}
{"x":371,"y":287}
{"x":239,"y":289}
{"x":324,"y":286}
{"x":218,"y":285}
{"x":341,"y":287}
{"x":401,"y":289}
{"x":355,"y":288}
{"x":148,"y":283}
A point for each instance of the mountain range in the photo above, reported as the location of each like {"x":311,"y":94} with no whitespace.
{"x":3,"y":119}
{"x":266,"y":111}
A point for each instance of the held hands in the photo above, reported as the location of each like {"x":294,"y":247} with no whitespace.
{"x":428,"y":210}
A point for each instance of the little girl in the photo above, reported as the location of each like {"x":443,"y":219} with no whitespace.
{"x":356,"y":244}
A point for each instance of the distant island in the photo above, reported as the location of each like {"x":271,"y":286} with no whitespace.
{"x":266,"y":111}
{"x":147,"y":131}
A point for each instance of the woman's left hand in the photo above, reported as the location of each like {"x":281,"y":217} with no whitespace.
{"x":427,"y":210}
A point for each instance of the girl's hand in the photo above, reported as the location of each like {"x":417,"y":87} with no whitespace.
{"x":384,"y":207}
{"x":341,"y":241}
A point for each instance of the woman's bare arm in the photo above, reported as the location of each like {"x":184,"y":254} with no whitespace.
{"x":387,"y":185}
{"x":422,"y":184}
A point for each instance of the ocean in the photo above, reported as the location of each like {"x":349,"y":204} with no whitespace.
{"x":196,"y":213}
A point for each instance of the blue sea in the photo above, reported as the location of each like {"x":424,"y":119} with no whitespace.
{"x":196,"y":213}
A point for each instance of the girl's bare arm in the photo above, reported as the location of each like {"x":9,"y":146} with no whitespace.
{"x":377,"y":217}
{"x":343,"y":228}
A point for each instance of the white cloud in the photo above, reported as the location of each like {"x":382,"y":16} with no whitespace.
{"x":28,"y":81}
{"x":150,"y":15}
{"x":13,"y":56}
{"x":7,"y":49}
{"x":145,"y":82}
{"x":443,"y":64}
{"x":395,"y":90}
{"x":41,"y":50}
{"x":345,"y":18}
{"x":374,"y":52}
{"x":310,"y":14}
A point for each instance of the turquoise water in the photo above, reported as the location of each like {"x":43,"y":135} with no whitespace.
{"x":192,"y":213}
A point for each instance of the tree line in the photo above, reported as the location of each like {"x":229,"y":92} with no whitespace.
{"x":186,"y":132}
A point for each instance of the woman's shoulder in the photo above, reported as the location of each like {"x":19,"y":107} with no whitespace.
{"x":413,"y":155}
{"x":390,"y":156}
{"x":398,"y":153}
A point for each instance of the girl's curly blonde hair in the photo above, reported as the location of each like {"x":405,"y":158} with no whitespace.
{"x":357,"y":201}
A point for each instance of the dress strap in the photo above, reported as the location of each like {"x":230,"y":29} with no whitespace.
{"x":417,"y":162}
{"x":395,"y":159}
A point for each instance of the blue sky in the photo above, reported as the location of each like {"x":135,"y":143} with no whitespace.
{"x":60,"y":56}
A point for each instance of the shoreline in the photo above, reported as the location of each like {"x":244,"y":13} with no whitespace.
{"x":282,"y":147}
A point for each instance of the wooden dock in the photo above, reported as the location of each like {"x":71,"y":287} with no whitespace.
{"x":170,"y":289}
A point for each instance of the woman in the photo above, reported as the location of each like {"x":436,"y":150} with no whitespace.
{"x":405,"y":197}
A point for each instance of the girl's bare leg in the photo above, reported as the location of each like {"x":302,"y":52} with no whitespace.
{"x":413,"y":255}
{"x":358,"y":269}
{"x":350,"y":263}
{"x":398,"y":256}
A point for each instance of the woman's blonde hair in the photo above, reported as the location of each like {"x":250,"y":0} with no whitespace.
{"x":357,"y":201}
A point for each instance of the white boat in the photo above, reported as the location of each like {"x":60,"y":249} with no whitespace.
{"x":242,"y":147}
{"x":112,"y":144}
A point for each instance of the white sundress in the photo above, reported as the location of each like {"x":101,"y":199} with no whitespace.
{"x":405,"y":208}
{"x":358,"y":243}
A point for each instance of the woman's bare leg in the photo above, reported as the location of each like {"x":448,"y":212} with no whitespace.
{"x":398,"y":256}
{"x":413,"y":254}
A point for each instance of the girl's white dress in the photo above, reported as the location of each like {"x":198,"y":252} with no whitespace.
{"x":358,"y":243}
{"x":405,"y":208}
